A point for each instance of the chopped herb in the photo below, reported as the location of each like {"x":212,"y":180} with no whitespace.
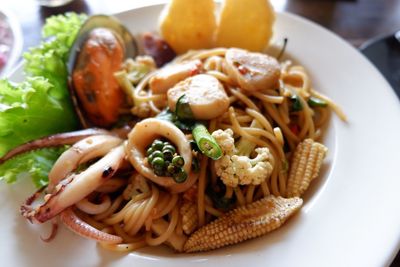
{"x":183,"y":110}
{"x":296,"y":103}
{"x":184,"y":125}
{"x":317,"y":102}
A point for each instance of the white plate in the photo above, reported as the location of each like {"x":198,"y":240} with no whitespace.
{"x":350,"y":218}
{"x":15,"y":50}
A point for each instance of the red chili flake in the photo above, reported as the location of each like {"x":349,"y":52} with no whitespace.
{"x":294,"y":128}
{"x":194,"y":71}
{"x":243,"y":70}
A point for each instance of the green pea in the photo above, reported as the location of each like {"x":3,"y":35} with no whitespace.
{"x":178,"y":161}
{"x":158,"y":163}
{"x":149,"y":151}
{"x":172,"y":169}
{"x":158,"y":145}
{"x":168,"y":155}
{"x":166,"y":143}
{"x":180,"y":176}
{"x":157,"y":154}
{"x":150,"y":158}
{"x":170,"y":148}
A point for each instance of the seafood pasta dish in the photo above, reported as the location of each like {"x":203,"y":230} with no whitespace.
{"x":195,"y":143}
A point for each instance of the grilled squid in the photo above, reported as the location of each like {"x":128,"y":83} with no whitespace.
{"x":74,"y":188}
{"x":81,"y":152}
{"x":89,"y":207}
{"x":143,"y":134}
{"x":78,"y":226}
{"x":53,"y":141}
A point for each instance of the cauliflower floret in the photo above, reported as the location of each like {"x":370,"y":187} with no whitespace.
{"x":237,"y":170}
{"x":225,"y":140}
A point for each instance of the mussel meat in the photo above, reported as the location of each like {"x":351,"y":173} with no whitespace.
{"x":101,"y":47}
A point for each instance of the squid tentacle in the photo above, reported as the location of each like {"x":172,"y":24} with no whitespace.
{"x":74,"y":188}
{"x":77,"y":225}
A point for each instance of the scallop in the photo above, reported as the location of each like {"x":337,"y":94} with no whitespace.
{"x":99,"y":50}
{"x":205,"y":95}
{"x":170,"y":75}
{"x":252,"y":71}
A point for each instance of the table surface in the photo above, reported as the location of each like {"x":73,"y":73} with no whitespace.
{"x":354,"y":20}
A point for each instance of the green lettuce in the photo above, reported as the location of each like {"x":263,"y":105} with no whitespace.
{"x":29,"y":111}
{"x":40,"y":105}
{"x":34,"y":165}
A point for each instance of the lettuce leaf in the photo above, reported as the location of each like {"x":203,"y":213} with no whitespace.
{"x":34,"y":165}
{"x":40,"y":105}
{"x":49,"y":59}
{"x":29,"y":111}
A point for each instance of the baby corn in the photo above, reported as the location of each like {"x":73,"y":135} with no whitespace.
{"x":190,"y":220}
{"x":246,"y":222}
{"x":305,"y":166}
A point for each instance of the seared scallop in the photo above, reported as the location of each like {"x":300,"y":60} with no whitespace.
{"x":205,"y":94}
{"x":170,"y":75}
{"x":252,"y":71}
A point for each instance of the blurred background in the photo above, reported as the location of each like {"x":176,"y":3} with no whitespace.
{"x":357,"y":21}
{"x":354,"y":20}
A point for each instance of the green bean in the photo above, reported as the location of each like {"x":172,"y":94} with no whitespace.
{"x":206,"y":143}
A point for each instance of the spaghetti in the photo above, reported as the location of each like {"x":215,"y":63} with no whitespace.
{"x":148,"y":212}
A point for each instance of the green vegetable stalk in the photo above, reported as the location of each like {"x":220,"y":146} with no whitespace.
{"x":206,"y":143}
{"x":40,"y":105}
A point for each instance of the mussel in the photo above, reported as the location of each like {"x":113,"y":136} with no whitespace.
{"x":99,"y":50}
